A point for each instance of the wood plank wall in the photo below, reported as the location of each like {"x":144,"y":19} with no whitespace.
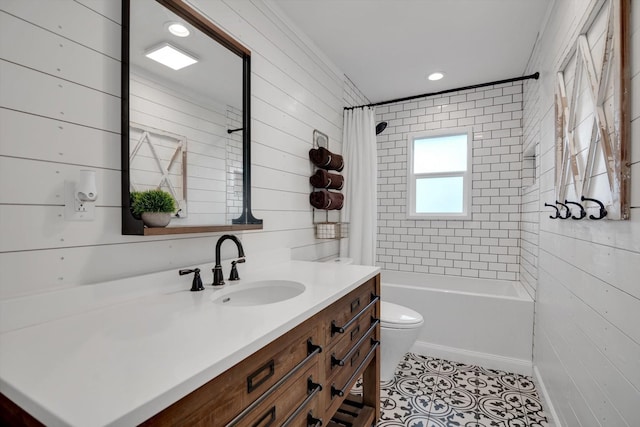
{"x":60,"y":113}
{"x":587,"y":326}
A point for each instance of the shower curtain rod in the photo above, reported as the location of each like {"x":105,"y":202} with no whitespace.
{"x":535,"y":75}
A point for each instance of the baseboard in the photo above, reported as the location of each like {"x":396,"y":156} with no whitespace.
{"x":549,"y":410}
{"x":491,"y":361}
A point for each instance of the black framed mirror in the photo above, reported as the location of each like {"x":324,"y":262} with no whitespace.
{"x":186,"y":129}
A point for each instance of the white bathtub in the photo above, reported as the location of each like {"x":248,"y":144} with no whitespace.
{"x":478,"y":321}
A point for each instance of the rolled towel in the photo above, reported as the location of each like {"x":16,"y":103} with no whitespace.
{"x":325,"y":159}
{"x":328,"y":200}
{"x":324,"y":179}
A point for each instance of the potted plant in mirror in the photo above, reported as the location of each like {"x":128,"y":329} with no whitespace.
{"x":153,"y":206}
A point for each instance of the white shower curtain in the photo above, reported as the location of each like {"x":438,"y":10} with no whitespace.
{"x":360,"y":190}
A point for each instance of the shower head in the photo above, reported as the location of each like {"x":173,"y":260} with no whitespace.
{"x":380,"y":127}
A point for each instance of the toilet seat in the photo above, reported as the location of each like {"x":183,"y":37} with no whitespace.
{"x":395,"y":316}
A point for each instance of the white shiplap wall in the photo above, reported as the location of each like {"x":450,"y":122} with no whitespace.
{"x":587,"y":326}
{"x":60,"y":113}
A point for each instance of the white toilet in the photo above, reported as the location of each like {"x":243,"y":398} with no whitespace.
{"x":399,"y":328}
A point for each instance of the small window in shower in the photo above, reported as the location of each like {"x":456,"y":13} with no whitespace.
{"x":439,"y":175}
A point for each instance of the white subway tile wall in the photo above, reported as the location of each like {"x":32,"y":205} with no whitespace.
{"x":487,"y":245}
{"x":529,"y":221}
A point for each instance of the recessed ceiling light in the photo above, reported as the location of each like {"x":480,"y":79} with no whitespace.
{"x":178,"y":29}
{"x":171,"y":56}
{"x":435,"y":76}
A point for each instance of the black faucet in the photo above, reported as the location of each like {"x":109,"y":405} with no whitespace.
{"x":218,"y":278}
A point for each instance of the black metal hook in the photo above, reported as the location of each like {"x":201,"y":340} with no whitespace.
{"x":234,"y":130}
{"x":603,"y":211}
{"x":557,"y":211}
{"x":568,"y":214}
{"x":566,"y":207}
{"x":583,"y":212}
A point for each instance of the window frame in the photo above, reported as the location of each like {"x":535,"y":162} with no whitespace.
{"x":412,"y":177}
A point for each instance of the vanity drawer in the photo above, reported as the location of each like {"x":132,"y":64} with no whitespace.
{"x":344,"y":315}
{"x":288,"y":406}
{"x":345,"y":376}
{"x":224,"y":397}
{"x":348,"y":347}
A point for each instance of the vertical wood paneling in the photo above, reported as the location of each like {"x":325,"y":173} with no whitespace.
{"x":586,"y":338}
{"x":60,"y":112}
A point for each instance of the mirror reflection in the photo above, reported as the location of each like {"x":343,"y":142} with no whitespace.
{"x":185,"y":95}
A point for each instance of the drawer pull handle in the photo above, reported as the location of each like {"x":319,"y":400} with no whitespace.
{"x":355,"y":304}
{"x":312,"y":351}
{"x":252,"y":384}
{"x":313,"y":422}
{"x":271,"y":414}
{"x":335,"y":329}
{"x":341,"y":392}
{"x":340,"y":362}
{"x":312,"y":390}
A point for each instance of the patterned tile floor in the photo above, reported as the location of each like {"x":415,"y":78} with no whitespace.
{"x":430,"y":392}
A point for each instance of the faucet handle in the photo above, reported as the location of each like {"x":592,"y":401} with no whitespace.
{"x":233,"y":275}
{"x":196,"y":284}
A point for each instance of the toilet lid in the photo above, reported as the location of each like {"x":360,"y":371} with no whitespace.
{"x":398,"y":317}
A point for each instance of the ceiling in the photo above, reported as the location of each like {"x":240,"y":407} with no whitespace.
{"x":388,"y":47}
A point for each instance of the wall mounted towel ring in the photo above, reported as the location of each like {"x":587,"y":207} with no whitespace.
{"x":603,"y":211}
{"x":566,"y":207}
{"x":557,"y":215}
{"x":583,"y":212}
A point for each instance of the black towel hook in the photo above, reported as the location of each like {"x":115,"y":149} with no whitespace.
{"x":566,"y":207}
{"x":583,"y":212}
{"x":557,"y":211}
{"x":603,"y":211}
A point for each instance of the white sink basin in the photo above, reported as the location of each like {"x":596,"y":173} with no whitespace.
{"x":260,"y":293}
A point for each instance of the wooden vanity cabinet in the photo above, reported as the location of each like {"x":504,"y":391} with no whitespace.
{"x":301,"y":378}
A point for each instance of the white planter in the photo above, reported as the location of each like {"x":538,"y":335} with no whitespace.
{"x":156,"y":219}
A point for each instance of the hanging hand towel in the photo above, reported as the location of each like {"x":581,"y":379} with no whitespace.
{"x":328,"y":200}
{"x":324,"y":179}
{"x":325,"y":159}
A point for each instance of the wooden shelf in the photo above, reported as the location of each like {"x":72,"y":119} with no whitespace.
{"x":200,"y":229}
{"x":353,"y":413}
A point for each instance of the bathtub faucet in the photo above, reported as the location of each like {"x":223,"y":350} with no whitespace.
{"x":218,"y":277}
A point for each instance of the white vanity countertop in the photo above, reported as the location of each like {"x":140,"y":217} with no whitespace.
{"x":122,"y":363}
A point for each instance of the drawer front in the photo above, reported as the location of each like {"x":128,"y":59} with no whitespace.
{"x":265,"y":370}
{"x":344,"y":315}
{"x":344,"y":377}
{"x":288,"y":405}
{"x":344,"y":350}
{"x":226,"y":396}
